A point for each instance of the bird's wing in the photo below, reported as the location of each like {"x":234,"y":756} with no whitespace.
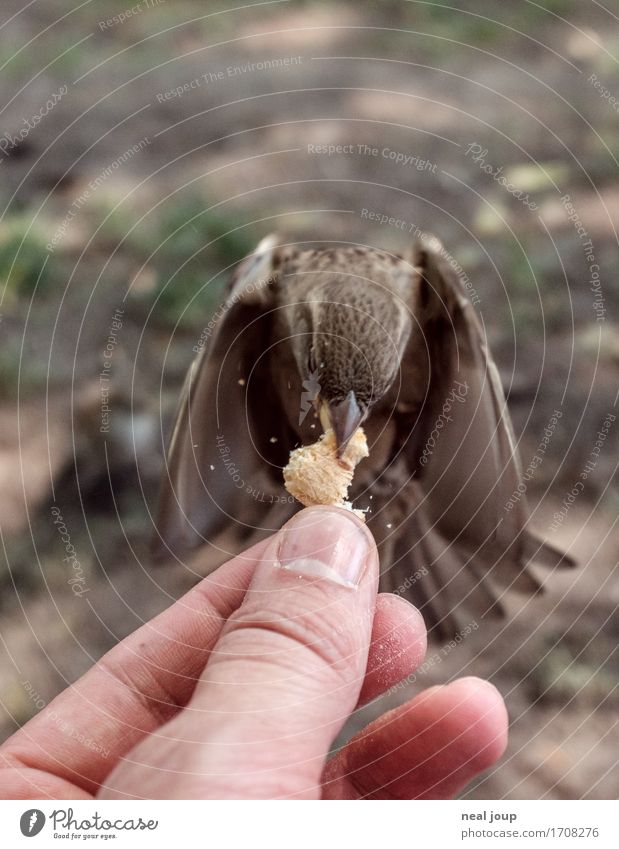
{"x":464,"y":453}
{"x":224,"y":444}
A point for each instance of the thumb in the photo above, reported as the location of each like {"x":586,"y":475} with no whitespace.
{"x":285,"y":673}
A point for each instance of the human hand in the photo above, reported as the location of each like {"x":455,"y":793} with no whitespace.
{"x":239,"y":689}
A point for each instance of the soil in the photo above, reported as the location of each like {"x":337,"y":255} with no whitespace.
{"x":183,"y":137}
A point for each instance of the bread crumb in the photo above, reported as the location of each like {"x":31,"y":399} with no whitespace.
{"x":315,"y":475}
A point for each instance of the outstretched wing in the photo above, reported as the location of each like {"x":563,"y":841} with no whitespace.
{"x":464,"y":453}
{"x":224,"y":444}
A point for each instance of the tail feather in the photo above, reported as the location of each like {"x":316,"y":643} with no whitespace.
{"x":445,"y":586}
{"x":450,"y":584}
{"x":543,"y":553}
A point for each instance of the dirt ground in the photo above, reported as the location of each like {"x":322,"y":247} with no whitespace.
{"x":141,"y":157}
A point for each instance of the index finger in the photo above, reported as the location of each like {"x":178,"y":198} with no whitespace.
{"x":135,"y":687}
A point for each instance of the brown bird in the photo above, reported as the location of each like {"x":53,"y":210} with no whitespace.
{"x":351,"y":336}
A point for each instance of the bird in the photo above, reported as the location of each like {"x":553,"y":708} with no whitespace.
{"x":349,"y":336}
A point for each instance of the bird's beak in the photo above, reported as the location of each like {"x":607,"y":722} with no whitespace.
{"x":344,"y":417}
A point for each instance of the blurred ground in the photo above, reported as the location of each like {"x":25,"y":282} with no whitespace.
{"x":177,"y":138}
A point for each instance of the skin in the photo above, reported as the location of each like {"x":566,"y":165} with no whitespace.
{"x":239,"y":689}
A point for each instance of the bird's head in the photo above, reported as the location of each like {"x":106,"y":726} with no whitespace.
{"x":350,"y":355}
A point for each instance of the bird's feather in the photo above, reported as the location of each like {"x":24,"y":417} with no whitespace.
{"x":219,"y":461}
{"x":402,"y":334}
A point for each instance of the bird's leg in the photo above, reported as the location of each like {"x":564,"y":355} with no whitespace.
{"x":389,"y":499}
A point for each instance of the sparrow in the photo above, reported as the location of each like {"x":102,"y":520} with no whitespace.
{"x":343,"y":337}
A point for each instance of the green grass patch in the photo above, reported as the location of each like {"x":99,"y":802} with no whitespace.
{"x":22,"y":257}
{"x":188,"y":244}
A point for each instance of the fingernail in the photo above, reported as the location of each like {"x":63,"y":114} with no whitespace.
{"x":472,"y":683}
{"x":324,"y":544}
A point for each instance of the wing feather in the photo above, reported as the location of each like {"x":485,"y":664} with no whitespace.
{"x":229,"y":434}
{"x":469,"y":468}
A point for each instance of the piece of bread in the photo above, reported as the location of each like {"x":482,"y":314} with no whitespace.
{"x":315,"y":474}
